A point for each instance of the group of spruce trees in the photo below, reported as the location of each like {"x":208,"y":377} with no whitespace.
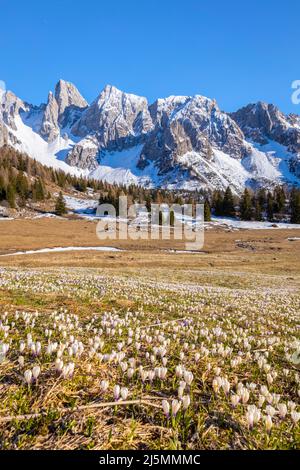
{"x":278,"y":204}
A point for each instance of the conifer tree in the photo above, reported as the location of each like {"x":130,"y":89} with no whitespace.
{"x":11,"y":196}
{"x":270,"y":206}
{"x":60,"y":205}
{"x":172,"y":219}
{"x":218,"y":203}
{"x":246,"y":206}
{"x":22,"y":186}
{"x":257,"y":210}
{"x":207,"y":213}
{"x":228,"y":203}
{"x":279,"y":196}
{"x":295,"y":206}
{"x":262,"y":198}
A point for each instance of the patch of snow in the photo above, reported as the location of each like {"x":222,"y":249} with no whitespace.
{"x":194,"y":252}
{"x":252,"y":225}
{"x":45,"y":215}
{"x":66,"y":248}
{"x":81,"y":206}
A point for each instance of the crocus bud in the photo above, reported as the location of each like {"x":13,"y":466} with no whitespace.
{"x":268,"y":423}
{"x":282,"y":409}
{"x":36,"y":372}
{"x":235,"y":400}
{"x":104,"y":384}
{"x":28,"y":376}
{"x":197,"y":357}
{"x":295,"y":416}
{"x":124,"y":393}
{"x":175,"y":407}
{"x":116,"y":392}
{"x":188,"y":377}
{"x":186,"y":401}
{"x":151,"y":375}
{"x":130,"y":373}
{"x":166,"y":407}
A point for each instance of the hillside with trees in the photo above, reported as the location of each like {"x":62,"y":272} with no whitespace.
{"x":24,"y":182}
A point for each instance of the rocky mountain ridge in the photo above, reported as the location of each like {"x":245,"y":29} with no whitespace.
{"x":176,"y":142}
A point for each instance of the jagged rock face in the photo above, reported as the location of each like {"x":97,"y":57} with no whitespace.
{"x":185,"y":124}
{"x":119,"y":119}
{"x":10,"y":107}
{"x":66,"y":95}
{"x":261,"y":122}
{"x":62,"y":110}
{"x":84,"y":154}
{"x":49,"y":128}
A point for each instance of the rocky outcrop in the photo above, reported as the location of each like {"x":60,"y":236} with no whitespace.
{"x":67,"y":95}
{"x":49,"y":127}
{"x":262,"y":122}
{"x":62,"y":110}
{"x":118,"y":119}
{"x":84,"y":154}
{"x":185,"y":124}
{"x":10,"y":108}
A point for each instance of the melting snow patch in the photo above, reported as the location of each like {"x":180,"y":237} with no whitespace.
{"x":253,"y":225}
{"x":66,"y":248}
{"x":193,"y":252}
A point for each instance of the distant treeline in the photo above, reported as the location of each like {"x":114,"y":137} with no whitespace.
{"x":274,"y":205}
{"x":23,"y":179}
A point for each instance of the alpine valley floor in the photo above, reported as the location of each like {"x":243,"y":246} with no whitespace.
{"x":148,"y":348}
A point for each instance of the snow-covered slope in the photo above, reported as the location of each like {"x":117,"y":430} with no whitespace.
{"x":176,"y":142}
{"x":48,"y":153}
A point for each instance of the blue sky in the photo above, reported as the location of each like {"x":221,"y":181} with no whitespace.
{"x":237,"y":52}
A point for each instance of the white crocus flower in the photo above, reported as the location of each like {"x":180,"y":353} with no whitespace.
{"x":28,"y":376}
{"x":295,"y":416}
{"x":175,"y":407}
{"x":235,"y":400}
{"x":166,"y":407}
{"x":117,"y":392}
{"x":186,"y":401}
{"x":104,"y":384}
{"x":36,"y":372}
{"x":268,"y":423}
{"x":124,"y":393}
{"x":282,"y":409}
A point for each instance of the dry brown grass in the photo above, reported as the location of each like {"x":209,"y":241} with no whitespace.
{"x":229,"y":258}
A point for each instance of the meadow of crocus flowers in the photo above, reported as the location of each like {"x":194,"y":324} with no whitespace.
{"x":105,"y":361}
